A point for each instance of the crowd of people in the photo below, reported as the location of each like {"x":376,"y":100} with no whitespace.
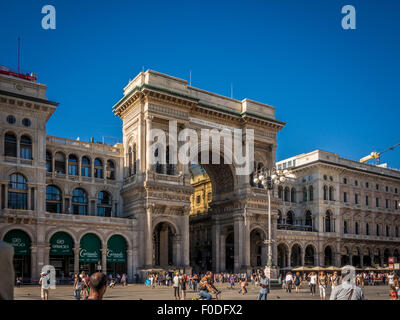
{"x":204,"y":283}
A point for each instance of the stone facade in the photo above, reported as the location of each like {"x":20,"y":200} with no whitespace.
{"x":53,"y":185}
{"x":331,"y":209}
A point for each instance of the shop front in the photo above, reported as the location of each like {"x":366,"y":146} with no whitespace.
{"x":90,"y":254}
{"x":21,"y":243}
{"x":62,"y":256}
{"x":116,"y":255}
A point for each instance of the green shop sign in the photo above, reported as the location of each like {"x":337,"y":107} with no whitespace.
{"x":20,"y":242}
{"x":116,"y":249}
{"x":61,"y":244}
{"x":90,"y":248}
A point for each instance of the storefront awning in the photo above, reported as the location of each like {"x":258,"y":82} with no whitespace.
{"x":90,"y":248}
{"x":20,"y":241}
{"x":116,"y":249}
{"x":61,"y":243}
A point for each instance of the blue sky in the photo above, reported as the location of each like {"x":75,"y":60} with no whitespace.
{"x":338,"y":90}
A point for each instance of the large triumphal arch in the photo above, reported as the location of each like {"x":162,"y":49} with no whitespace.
{"x":229,"y":232}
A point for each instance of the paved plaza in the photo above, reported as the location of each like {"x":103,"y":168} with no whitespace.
{"x":139,"y":291}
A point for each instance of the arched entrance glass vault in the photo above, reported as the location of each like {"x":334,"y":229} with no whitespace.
{"x":213,"y":188}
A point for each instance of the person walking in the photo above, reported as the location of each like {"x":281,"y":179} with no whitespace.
{"x":289,"y":282}
{"x":44,"y":285}
{"x":334,"y":280}
{"x":313,"y":282}
{"x":175,"y":285}
{"x":297,"y":282}
{"x":184,"y":281}
{"x":322,"y":284}
{"x":195,"y":280}
{"x":243,"y":284}
{"x":264,"y":284}
{"x":77,"y":286}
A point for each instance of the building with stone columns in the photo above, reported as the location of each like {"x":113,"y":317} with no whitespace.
{"x":90,"y":206}
{"x":337,"y":212}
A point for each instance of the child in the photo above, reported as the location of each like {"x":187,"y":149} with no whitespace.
{"x":393,"y":293}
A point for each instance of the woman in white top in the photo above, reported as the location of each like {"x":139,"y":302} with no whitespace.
{"x":313,"y":282}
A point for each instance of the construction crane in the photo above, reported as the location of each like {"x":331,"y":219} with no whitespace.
{"x":377,"y":155}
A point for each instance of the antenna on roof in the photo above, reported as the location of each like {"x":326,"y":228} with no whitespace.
{"x":231,"y":90}
{"x":142,"y":68}
{"x":19,"y":40}
{"x":190,"y":77}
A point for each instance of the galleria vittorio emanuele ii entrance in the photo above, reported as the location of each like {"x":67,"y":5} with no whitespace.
{"x":196,"y":215}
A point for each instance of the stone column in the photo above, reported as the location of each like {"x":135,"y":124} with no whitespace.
{"x":129,"y":263}
{"x":361,"y":260}
{"x":185,"y":239}
{"x":246,"y":243}
{"x":216,"y":252}
{"x":35,"y":269}
{"x":303,"y":257}
{"x":104,"y":260}
{"x":149,"y":238}
{"x":76,"y":260}
{"x":238,"y":243}
{"x":46,"y":257}
{"x":289,"y":257}
{"x":177,"y":250}
{"x":6,"y":195}
{"x":29,"y":199}
{"x":148,"y":129}
{"x":222,"y":240}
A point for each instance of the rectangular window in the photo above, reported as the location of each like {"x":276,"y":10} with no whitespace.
{"x":387,"y":203}
{"x":377,"y":202}
{"x":72,"y":169}
{"x":344,"y":196}
{"x":395,"y":204}
{"x":356,"y":198}
{"x":17,"y":200}
{"x":366,"y":200}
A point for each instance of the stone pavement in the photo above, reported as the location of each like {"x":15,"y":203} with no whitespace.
{"x":139,"y":291}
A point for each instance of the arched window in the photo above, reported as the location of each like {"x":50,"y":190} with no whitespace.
{"x":59,"y":162}
{"x":157,"y":165}
{"x":289,"y":217}
{"x":98,"y":168}
{"x":293,"y":195}
{"x":325,"y":193}
{"x":110,"y":170}
{"x":104,"y":204}
{"x":170,"y":167}
{"x":287,"y":194}
{"x":331,"y":194}
{"x":17,"y":192}
{"x":25,"y":147}
{"x":356,"y":228}
{"x":253,"y":174}
{"x":328,"y":222}
{"x":377,"y":230}
{"x":367,"y":229}
{"x":10,"y":145}
{"x":280,"y":192}
{"x":308,"y":220}
{"x":279,"y":217}
{"x":79,"y":201}
{"x":53,"y":199}
{"x":86,"y":170}
{"x":72,"y":165}
{"x":49,"y":162}
{"x":304,"y":194}
{"x":311,"y":193}
{"x":134,"y":159}
{"x":260,"y":166}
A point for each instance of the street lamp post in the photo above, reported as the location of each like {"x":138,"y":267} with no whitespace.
{"x":268,"y":178}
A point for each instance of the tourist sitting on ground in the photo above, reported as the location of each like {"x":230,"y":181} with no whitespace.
{"x":206,"y":286}
{"x":98,"y":286}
